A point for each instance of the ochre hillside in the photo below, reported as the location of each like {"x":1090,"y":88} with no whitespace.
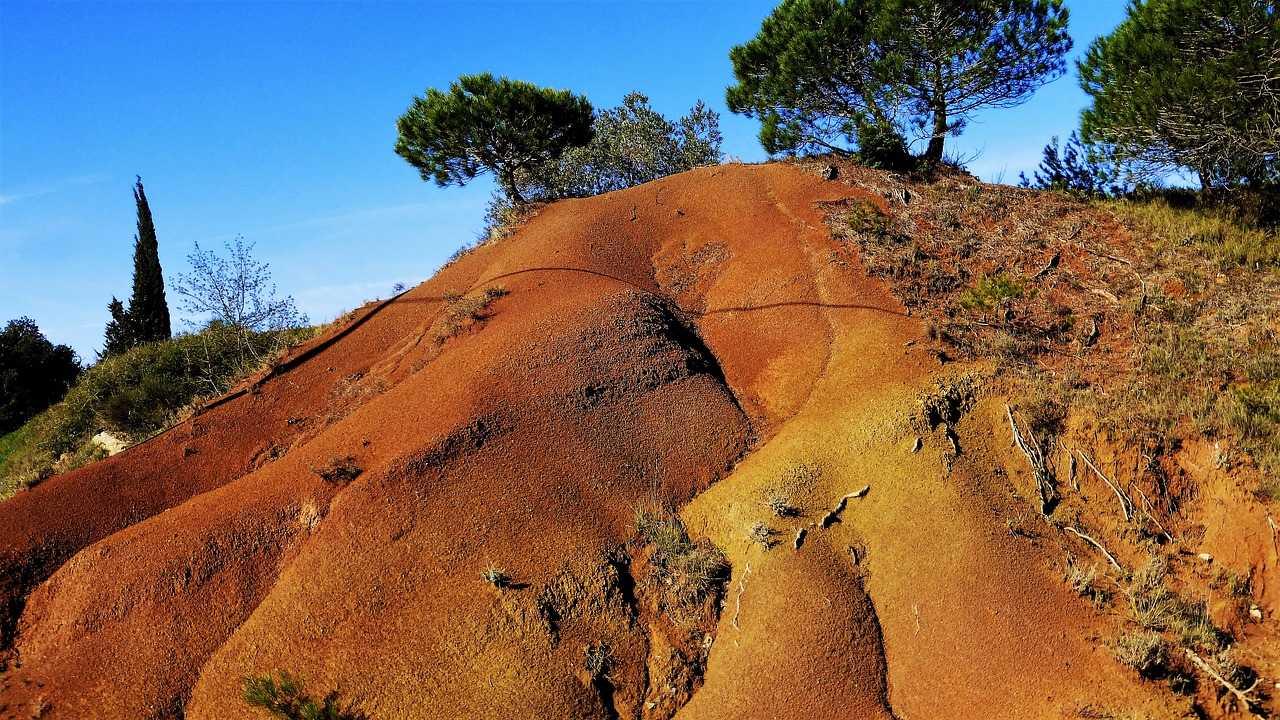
{"x":700,"y":343}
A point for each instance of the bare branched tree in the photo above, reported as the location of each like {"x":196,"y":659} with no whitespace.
{"x":236,"y":293}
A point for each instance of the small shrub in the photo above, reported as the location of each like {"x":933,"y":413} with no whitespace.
{"x":866,"y":219}
{"x":1084,"y":581}
{"x":993,"y":291}
{"x":1045,"y":417}
{"x":761,"y":534}
{"x":1142,"y":650}
{"x":1236,"y":585}
{"x":688,"y":573}
{"x":502,"y":218}
{"x":339,"y":471}
{"x":140,"y":409}
{"x":284,"y":696}
{"x":1076,"y":169}
{"x":461,"y":311}
{"x":599,"y":659}
{"x":1157,"y":607}
{"x":881,"y":146}
{"x":495,"y":576}
{"x":780,"y":503}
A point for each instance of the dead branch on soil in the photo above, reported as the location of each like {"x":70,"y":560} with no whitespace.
{"x":1126,"y":504}
{"x":1151,"y":513}
{"x":1075,"y":485}
{"x":1128,"y":263}
{"x":1039,"y":469}
{"x":1274,"y":531}
{"x":1053,"y":263}
{"x":1096,"y":544}
{"x":742,"y":586}
{"x":1241,"y":695}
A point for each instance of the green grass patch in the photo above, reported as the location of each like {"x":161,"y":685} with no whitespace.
{"x":1225,"y":235}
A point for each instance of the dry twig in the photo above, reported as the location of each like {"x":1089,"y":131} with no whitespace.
{"x":1071,"y":456}
{"x":1039,"y":469}
{"x":1128,"y":263}
{"x":1241,"y":695}
{"x":1096,"y":544}
{"x":1126,"y":505}
{"x":1151,"y":513}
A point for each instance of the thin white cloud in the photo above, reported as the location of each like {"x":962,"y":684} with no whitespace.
{"x":55,"y":186}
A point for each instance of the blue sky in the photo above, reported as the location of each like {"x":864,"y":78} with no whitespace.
{"x":276,"y":121}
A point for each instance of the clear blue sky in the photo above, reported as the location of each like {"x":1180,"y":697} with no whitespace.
{"x":276,"y":121}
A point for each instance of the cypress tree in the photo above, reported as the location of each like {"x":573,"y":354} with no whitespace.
{"x":148,"y":312}
{"x":119,"y":335}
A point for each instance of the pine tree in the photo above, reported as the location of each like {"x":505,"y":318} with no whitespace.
{"x":825,"y":72}
{"x":1189,"y":84}
{"x":507,"y":127}
{"x":148,"y":311}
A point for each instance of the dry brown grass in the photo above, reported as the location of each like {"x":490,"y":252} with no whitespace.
{"x":688,"y":575}
{"x":465,"y":311}
{"x":1164,"y":322}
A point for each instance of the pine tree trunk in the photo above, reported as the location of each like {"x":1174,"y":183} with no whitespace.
{"x":508,"y":181}
{"x":933,"y":155}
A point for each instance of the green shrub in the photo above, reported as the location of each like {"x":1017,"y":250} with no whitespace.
{"x":992,"y":291}
{"x":881,"y":146}
{"x":285,"y":697}
{"x":866,"y":219}
{"x":134,"y":395}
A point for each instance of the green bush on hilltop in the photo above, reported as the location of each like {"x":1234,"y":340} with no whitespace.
{"x":632,"y":144}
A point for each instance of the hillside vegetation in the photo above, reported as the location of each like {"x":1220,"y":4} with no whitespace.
{"x":134,"y":395}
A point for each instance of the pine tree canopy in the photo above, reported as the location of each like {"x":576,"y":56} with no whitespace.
{"x":1189,"y":84}
{"x":823,"y":73}
{"x":481,"y":124}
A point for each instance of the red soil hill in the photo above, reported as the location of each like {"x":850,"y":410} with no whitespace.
{"x":693,"y":342}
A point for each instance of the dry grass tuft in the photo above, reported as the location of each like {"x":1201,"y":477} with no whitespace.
{"x":1084,"y":581}
{"x":461,"y":311}
{"x":762,"y":534}
{"x":780,"y":503}
{"x":689,"y":575}
{"x":338,"y":471}
{"x":1142,"y":650}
